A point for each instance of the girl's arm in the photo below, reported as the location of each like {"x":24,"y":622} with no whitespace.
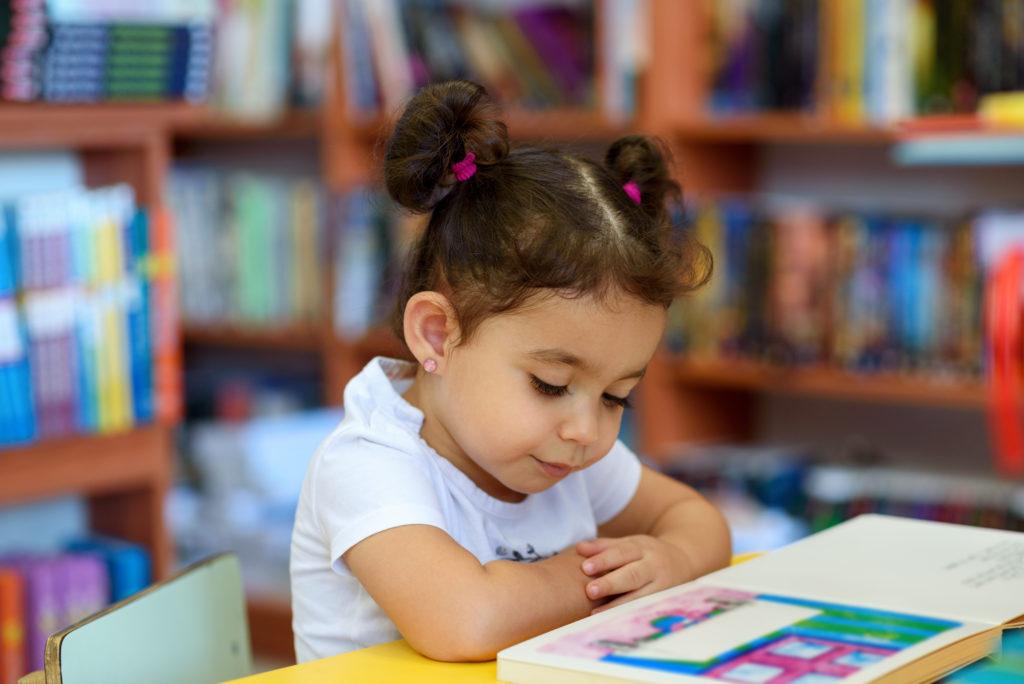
{"x":668,"y":534}
{"x":450,"y":607}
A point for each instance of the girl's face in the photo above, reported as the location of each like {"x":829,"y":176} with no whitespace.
{"x":539,"y":393}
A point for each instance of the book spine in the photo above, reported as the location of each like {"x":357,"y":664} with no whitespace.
{"x":138,"y":322}
{"x":12,"y":626}
{"x":164,"y":322}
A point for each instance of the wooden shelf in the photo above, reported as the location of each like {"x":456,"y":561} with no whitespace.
{"x":270,"y":626}
{"x":207,"y":124}
{"x":832,"y":383}
{"x":565,"y":125}
{"x":300,"y":338}
{"x":28,"y":125}
{"x":126,"y":476}
{"x":783,"y":127}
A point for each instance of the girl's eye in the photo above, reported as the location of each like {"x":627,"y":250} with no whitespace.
{"x":546,"y":389}
{"x":617,"y":402}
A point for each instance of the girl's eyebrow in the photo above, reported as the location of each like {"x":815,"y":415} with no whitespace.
{"x":561,"y":356}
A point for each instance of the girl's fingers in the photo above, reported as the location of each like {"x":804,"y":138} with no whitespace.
{"x":613,"y":557}
{"x":623,"y":580}
{"x":626,"y":598}
{"x":589,"y":547}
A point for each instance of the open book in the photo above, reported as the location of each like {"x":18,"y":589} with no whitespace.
{"x":875,"y":599}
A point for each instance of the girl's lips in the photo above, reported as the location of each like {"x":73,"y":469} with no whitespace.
{"x":553,"y":470}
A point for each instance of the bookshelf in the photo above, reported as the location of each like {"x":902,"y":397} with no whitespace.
{"x":123,"y":476}
{"x":682,"y":399}
{"x":693,"y":400}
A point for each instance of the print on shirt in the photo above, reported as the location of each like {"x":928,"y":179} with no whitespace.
{"x":529,"y":555}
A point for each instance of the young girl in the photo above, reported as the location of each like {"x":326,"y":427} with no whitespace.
{"x":480,"y":497}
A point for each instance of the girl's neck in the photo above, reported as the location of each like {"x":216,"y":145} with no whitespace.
{"x":436,"y":435}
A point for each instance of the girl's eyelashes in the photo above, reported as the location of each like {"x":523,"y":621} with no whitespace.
{"x":561,"y":390}
{"x":617,"y":402}
{"x":546,"y":389}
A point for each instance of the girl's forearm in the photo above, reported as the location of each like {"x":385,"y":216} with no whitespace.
{"x":527,"y":599}
{"x":699,"y":531}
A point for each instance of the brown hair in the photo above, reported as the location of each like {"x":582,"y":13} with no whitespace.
{"x":529,"y":219}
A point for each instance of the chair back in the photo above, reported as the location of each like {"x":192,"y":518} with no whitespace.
{"x":189,"y":629}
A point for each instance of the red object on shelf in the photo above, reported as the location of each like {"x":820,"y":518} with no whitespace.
{"x":1004,"y":307}
{"x":942,"y":123}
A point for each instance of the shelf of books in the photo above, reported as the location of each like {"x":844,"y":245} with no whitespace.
{"x":812,"y":298}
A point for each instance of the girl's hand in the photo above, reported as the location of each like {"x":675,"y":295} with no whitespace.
{"x":630,"y":567}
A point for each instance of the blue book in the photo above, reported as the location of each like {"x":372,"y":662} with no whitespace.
{"x":138,"y":320}
{"x":966,"y":150}
{"x":18,"y":415}
{"x":8,"y":274}
{"x":88,"y":374}
{"x":128,"y":564}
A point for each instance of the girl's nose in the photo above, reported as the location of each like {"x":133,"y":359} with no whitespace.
{"x":581,"y":426}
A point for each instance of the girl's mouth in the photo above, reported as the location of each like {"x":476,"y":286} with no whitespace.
{"x":553,"y":470}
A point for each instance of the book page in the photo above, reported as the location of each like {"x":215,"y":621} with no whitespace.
{"x":704,"y":633}
{"x":926,"y":568}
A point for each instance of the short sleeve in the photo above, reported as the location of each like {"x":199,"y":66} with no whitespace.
{"x":361,"y":488}
{"x":612,"y":482}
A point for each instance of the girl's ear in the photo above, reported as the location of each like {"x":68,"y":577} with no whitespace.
{"x":430,"y":327}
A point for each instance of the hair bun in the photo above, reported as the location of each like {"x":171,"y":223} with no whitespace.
{"x":644,"y":161}
{"x":441,"y":123}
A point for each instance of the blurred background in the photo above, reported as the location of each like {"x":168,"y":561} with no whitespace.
{"x":195,"y":257}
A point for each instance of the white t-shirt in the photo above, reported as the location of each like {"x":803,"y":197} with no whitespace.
{"x":375,"y":472}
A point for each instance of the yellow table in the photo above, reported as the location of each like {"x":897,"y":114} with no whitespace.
{"x":384,"y":664}
{"x":388,"y":663}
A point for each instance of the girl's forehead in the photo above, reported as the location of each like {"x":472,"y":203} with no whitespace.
{"x":586,"y":333}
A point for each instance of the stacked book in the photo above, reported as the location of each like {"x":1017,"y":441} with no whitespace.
{"x":865,"y":292}
{"x":533,"y":54}
{"x":865,"y":60}
{"x":84,"y":321}
{"x":42,"y":594}
{"x":251,"y":247}
{"x":70,"y":51}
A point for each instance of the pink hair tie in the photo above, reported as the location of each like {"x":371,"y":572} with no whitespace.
{"x":465,"y":169}
{"x":633,"y":190}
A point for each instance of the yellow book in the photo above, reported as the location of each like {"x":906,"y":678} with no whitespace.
{"x":103,"y":361}
{"x":1003,"y":109}
{"x":306,"y":273}
{"x":874,"y":599}
{"x":850,"y":61}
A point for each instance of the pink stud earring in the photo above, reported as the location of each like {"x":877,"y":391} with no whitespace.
{"x":430,"y":365}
